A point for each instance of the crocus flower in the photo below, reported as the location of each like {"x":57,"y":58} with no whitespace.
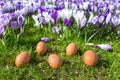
{"x":90,"y":18}
{"x":101,"y":19}
{"x":79,"y":16}
{"x":83,"y":22}
{"x":67,"y":22}
{"x":65,"y":13}
{"x":1,"y":29}
{"x":108,"y":18}
{"x":85,"y":5}
{"x":20,"y":21}
{"x":47,"y":17}
{"x":18,"y":6}
{"x":56,"y":30}
{"x":35,"y":18}
{"x":101,"y":46}
{"x":115,"y":21}
{"x":94,"y":20}
{"x":54,"y":15}
{"x":42,"y":20}
{"x":104,"y":46}
{"x":13,"y":24}
{"x":45,"y":39}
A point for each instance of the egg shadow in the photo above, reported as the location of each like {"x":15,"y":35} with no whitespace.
{"x":79,"y":53}
{"x":66,"y":62}
{"x":102,"y":63}
{"x":36,"y":59}
{"x":50,"y":50}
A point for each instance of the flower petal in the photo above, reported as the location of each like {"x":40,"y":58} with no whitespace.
{"x":45,"y":39}
{"x":13,"y":24}
{"x":2,"y":29}
{"x":56,"y":30}
{"x":104,"y":46}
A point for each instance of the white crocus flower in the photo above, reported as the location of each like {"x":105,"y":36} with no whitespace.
{"x":78,"y":17}
{"x":117,"y":12}
{"x":65,"y":13}
{"x":111,"y":7}
{"x":81,"y":6}
{"x":108,"y":18}
{"x":35,"y":18}
{"x":90,"y":18}
{"x":85,"y":5}
{"x":74,"y":6}
{"x":47,"y":17}
{"x":66,"y":4}
{"x":101,"y":19}
{"x":95,"y":9}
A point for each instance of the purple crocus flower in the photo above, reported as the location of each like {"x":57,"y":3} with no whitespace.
{"x":2,"y":3}
{"x":36,"y":1}
{"x":67,"y":22}
{"x":58,"y":8}
{"x":1,"y":29}
{"x":20,"y":21}
{"x":56,"y":30}
{"x":18,"y":6}
{"x":13,"y":24}
{"x":115,"y":22}
{"x":42,"y":20}
{"x":95,"y":20}
{"x":45,"y":39}
{"x":54,"y":15}
{"x":13,"y":15}
{"x":41,"y":9}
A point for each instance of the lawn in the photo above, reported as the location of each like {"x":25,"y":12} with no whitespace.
{"x":73,"y":68}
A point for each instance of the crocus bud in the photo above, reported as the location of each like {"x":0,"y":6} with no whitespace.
{"x":101,"y":46}
{"x":20,"y":21}
{"x":104,"y":46}
{"x":45,"y":39}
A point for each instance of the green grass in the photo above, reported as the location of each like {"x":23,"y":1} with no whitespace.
{"x":73,"y":68}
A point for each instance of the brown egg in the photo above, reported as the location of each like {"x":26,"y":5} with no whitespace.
{"x":41,"y":48}
{"x":71,"y":49}
{"x":90,"y":58}
{"x":22,"y":59}
{"x":54,"y":61}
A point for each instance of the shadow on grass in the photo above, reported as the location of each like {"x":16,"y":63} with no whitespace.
{"x":36,"y":59}
{"x":66,"y":62}
{"x":50,"y":50}
{"x":79,"y":52}
{"x":103,"y":63}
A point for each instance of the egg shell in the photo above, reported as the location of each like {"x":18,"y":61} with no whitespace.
{"x":41,"y":48}
{"x":22,"y":58}
{"x":71,"y":49}
{"x":54,"y":61}
{"x":90,"y":58}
